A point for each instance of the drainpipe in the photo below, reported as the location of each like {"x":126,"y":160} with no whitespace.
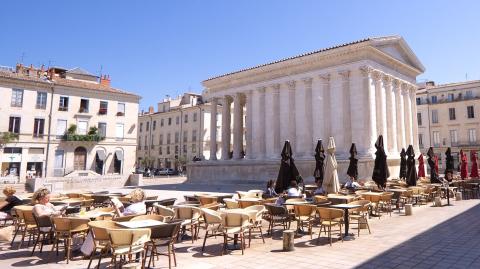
{"x":49,"y":132}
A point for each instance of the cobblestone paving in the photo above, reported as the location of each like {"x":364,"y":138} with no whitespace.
{"x":447,"y":237}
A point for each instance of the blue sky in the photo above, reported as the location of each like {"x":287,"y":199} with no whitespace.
{"x":159,"y":48}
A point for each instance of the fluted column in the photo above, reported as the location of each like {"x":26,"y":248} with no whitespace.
{"x":413,"y":102}
{"x":381,"y":109}
{"x":347,"y":100}
{"x":237,"y":126}
{"x":318,"y":103}
{"x":391,"y":116}
{"x":226,"y":129}
{"x":213,"y":129}
{"x":325,"y":119}
{"x":300,"y":120}
{"x":248,"y":125}
{"x":277,"y":144}
{"x":292,"y":133}
{"x":371,"y":121}
{"x":401,"y":140}
{"x":308,"y":144}
{"x":259,"y":123}
{"x":407,"y":114}
{"x":269,"y":123}
{"x":336,"y":106}
{"x":358,"y":111}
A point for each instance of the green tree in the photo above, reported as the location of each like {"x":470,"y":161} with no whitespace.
{"x":7,"y":137}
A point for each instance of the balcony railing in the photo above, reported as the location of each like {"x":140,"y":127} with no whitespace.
{"x":77,"y":137}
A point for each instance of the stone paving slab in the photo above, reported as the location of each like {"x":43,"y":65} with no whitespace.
{"x":446,"y":237}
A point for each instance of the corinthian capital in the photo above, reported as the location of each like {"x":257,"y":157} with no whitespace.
{"x":325,"y":78}
{"x":291,"y":84}
{"x":261,"y":89}
{"x":344,"y":74}
{"x":377,"y":75}
{"x":366,"y":70}
{"x":387,"y":80}
{"x":307,"y":81}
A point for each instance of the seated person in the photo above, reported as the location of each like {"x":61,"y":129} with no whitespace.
{"x":293,"y":191}
{"x":449,"y":175}
{"x":352,"y":183}
{"x":43,"y":206}
{"x":10,"y":201}
{"x":270,"y":192}
{"x":138,"y":206}
{"x":319,"y":190}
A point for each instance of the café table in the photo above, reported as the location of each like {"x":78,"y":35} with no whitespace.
{"x":346,"y":218}
{"x":135,"y":224}
{"x":339,"y":199}
{"x":92,"y":215}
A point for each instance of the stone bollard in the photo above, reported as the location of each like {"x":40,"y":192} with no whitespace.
{"x":288,"y":236}
{"x":458,"y":196}
{"x":408,"y":209}
{"x":437,"y":201}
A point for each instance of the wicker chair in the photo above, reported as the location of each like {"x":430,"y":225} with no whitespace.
{"x":305,"y":215}
{"x":235,"y":224}
{"x":360,"y":215}
{"x":246,"y":202}
{"x":126,"y":242}
{"x":66,"y":228}
{"x":101,"y":240}
{"x":213,"y":224}
{"x":204,"y":200}
{"x":149,"y":217}
{"x":189,"y":216}
{"x":28,"y":224}
{"x":277,"y":216}
{"x":166,"y":212}
{"x":230,"y":203}
{"x":44,"y":227}
{"x":163,"y":236}
{"x":126,"y":218}
{"x":330,"y":217}
{"x":256,"y":220}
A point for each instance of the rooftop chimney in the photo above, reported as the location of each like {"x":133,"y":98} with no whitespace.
{"x":151,"y":110}
{"x":105,"y":80}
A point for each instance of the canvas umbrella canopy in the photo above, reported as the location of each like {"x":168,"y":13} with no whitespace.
{"x":433,"y":163}
{"x":463,"y":165}
{"x":319,"y":161}
{"x":449,"y":166}
{"x":474,"y":169}
{"x":403,"y":164}
{"x":288,"y":171}
{"x":331,"y":184}
{"x":380,"y":169}
{"x":421,"y":166}
{"x":411,"y":178}
{"x":353,"y":166}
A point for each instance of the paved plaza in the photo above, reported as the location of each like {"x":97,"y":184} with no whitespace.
{"x":433,"y":237}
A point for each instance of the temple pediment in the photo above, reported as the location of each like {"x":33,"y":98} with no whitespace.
{"x":396,"y":47}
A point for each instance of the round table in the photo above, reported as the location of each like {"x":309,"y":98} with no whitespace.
{"x":346,"y":218}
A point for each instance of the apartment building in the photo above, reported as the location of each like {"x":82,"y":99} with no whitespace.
{"x":66,"y":120}
{"x":448,"y":116}
{"x":176,"y":133}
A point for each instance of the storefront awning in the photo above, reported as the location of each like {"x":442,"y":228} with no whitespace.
{"x":101,"y":154}
{"x":119,"y":154}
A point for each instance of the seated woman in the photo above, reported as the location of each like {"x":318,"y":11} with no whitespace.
{"x":138,"y":206}
{"x":10,"y":201}
{"x":43,"y":206}
{"x":270,"y":192}
{"x":293,"y":191}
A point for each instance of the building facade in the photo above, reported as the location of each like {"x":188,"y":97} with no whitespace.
{"x":177,"y":133}
{"x":66,"y":121}
{"x":448,"y":116}
{"x":353,"y":92}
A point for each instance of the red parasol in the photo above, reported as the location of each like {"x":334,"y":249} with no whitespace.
{"x":474,"y":169}
{"x":436,"y":163}
{"x":421,"y":166}
{"x":463,"y":165}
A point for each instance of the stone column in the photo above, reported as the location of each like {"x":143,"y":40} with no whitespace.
{"x":237,"y":126}
{"x":401,"y":143}
{"x":391,"y":116}
{"x":338,"y":114}
{"x":226,"y":130}
{"x":300,"y":120}
{"x":213,"y":129}
{"x":248,"y":125}
{"x":318,"y":115}
{"x":358,"y":110}
{"x":277,"y":143}
{"x":327,"y":114}
{"x":292,"y":104}
{"x":308,"y":144}
{"x":258,"y":131}
{"x":269,"y":122}
{"x":413,"y":102}
{"x":381,"y":108}
{"x":407,"y":106}
{"x":367,"y":148}
{"x":347,"y":100}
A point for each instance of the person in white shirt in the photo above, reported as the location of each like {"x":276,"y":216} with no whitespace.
{"x":293,"y":191}
{"x":352,"y":183}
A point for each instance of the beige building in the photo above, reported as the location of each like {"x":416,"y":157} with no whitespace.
{"x":66,"y":120}
{"x":448,"y":116}
{"x":176,"y":133}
